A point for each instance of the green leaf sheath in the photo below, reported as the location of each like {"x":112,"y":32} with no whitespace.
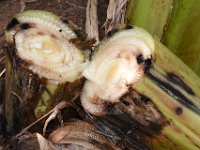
{"x":174,"y":89}
{"x":151,"y":15}
{"x":175,"y":22}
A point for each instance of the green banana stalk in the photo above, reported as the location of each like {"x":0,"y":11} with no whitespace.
{"x":151,"y":15}
{"x":182,"y":35}
{"x":174,"y":89}
{"x":170,"y":84}
{"x":175,"y":22}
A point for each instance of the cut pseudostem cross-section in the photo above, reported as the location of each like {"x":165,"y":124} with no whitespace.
{"x":43,"y":41}
{"x":119,"y":64}
{"x":45,"y":64}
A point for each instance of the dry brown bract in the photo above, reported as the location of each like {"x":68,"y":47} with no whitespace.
{"x":81,"y":133}
{"x":74,"y":135}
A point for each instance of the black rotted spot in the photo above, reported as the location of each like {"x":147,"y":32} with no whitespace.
{"x":77,"y":32}
{"x":64,"y":20}
{"x":179,"y":110}
{"x":24,"y":26}
{"x":12,"y":24}
{"x":178,"y":81}
{"x":112,"y":32}
{"x":129,"y":26}
{"x":168,"y":88}
{"x":140,"y":59}
{"x":81,"y":36}
{"x":147,"y":65}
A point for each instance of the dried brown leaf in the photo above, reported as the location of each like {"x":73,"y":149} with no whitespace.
{"x":81,"y":133}
{"x":115,"y":15}
{"x":91,"y":25}
{"x":37,"y":142}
